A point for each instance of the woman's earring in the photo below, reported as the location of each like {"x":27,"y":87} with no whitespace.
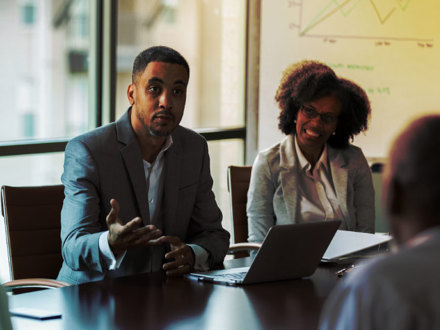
{"x":334,"y":133}
{"x":294,"y":121}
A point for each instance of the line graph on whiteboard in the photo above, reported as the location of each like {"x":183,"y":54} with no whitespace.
{"x":387,"y":20}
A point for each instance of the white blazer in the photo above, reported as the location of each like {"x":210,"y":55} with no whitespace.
{"x":273,"y":197}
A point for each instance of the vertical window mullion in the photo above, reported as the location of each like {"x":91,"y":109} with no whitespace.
{"x":109,"y":43}
{"x":95,"y":64}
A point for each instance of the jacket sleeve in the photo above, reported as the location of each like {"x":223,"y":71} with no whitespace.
{"x":260,"y":212}
{"x":80,"y":225}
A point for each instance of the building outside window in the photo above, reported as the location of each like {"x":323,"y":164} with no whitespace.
{"x":211,"y":36}
{"x":47,"y":90}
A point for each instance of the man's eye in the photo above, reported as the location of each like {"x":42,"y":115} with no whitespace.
{"x":153,"y":89}
{"x":178,"y":91}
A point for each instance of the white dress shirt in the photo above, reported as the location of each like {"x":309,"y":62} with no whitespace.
{"x":318,"y":199}
{"x":154,"y":179}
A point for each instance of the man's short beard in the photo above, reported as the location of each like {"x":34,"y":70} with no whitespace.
{"x":157,"y":133}
{"x":151,"y":130}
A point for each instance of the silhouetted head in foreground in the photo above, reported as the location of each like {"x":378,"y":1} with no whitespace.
{"x":412,"y":179}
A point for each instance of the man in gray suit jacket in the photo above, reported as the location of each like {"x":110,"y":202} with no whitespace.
{"x":138,"y":192}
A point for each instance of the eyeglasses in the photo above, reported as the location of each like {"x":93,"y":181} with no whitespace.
{"x":312,"y":113}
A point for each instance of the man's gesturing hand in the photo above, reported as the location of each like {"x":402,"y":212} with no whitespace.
{"x":122,"y":237}
{"x":182,"y":257}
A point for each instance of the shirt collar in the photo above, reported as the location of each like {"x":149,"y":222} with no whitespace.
{"x":304,"y":163}
{"x":168,"y":143}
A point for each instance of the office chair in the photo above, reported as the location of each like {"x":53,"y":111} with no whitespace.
{"x":32,"y":223}
{"x":238,"y":185}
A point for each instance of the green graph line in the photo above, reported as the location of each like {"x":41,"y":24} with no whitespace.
{"x":382,"y":20}
{"x":403,"y":4}
{"x":328,"y":11}
{"x":348,"y":12}
{"x":318,"y":19}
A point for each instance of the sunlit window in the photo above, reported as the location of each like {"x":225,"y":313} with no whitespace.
{"x":44,"y":87}
{"x":44,"y":80}
{"x":49,"y":88}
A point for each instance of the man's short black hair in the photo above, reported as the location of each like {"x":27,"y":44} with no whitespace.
{"x":157,"y":54}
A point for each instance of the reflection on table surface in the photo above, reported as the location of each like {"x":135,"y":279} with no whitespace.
{"x":153,"y":301}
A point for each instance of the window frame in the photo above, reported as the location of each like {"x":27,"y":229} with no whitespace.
{"x":103,"y":84}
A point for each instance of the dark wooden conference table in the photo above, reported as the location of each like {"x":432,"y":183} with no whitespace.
{"x":153,"y":301}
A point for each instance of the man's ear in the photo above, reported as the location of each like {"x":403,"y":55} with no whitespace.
{"x":131,"y":93}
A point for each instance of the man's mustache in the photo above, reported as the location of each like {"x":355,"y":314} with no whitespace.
{"x":163,"y":113}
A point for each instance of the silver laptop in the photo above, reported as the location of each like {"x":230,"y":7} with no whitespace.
{"x":288,"y":252}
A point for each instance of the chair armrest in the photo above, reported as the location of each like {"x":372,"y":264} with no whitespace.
{"x":243,"y":247}
{"x":37,"y":283}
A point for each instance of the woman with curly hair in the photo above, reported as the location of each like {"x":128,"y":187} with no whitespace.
{"x":314,"y":173}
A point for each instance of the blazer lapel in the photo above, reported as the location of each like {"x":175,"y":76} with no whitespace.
{"x":172,"y":168}
{"x":340,"y":178}
{"x":132,"y":158}
{"x":288,"y":178}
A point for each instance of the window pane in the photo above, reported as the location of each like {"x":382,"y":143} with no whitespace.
{"x":44,"y":65}
{"x":209,"y":34}
{"x":33,"y":170}
{"x":222,"y":154}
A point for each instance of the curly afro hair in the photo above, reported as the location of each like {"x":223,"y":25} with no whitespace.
{"x":307,"y":81}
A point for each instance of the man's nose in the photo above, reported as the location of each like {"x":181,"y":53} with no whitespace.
{"x":166,"y":100}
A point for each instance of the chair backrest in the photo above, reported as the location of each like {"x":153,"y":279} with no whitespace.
{"x":238,"y":185}
{"x":32,"y":221}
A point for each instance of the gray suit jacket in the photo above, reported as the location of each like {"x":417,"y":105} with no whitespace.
{"x":107,"y":163}
{"x":273,"y":197}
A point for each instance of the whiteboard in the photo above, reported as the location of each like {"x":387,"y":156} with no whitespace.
{"x":389,"y":47}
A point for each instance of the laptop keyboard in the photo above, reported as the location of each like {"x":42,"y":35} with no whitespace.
{"x":232,"y":276}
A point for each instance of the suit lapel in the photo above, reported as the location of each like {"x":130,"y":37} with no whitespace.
{"x":288,"y":181}
{"x":132,"y":158}
{"x":135,"y":169}
{"x":172,"y":168}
